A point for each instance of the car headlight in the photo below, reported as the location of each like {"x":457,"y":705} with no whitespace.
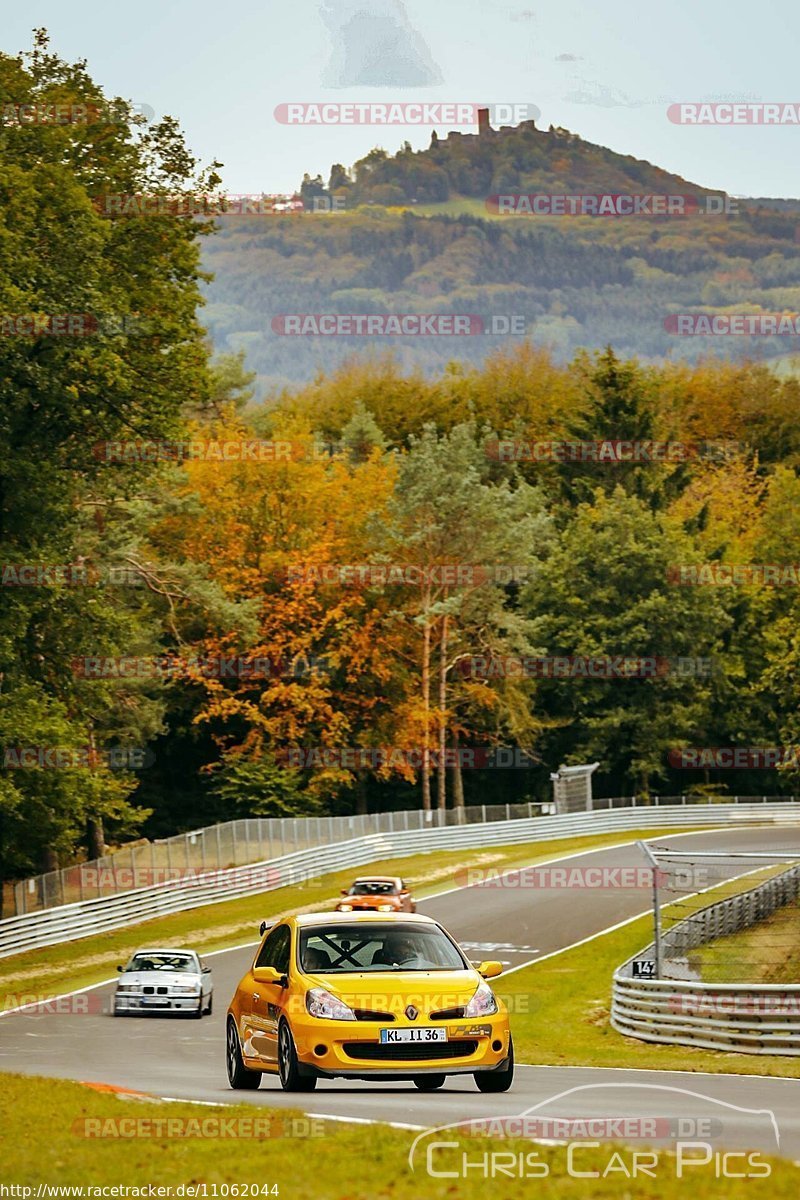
{"x":186,"y":987}
{"x":320,"y":1003}
{"x":385,"y":908}
{"x":483,"y":1003}
{"x":126,"y":987}
{"x":344,"y":907}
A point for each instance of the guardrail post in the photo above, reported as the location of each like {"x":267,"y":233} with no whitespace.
{"x":656,"y":906}
{"x":219,"y":849}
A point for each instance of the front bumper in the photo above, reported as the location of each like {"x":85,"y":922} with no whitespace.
{"x":332,"y":1048}
{"x":129,"y":1002}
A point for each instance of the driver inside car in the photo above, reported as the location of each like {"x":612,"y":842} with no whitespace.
{"x":400,"y":949}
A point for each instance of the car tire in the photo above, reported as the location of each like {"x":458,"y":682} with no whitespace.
{"x":239,"y":1076}
{"x":501,"y":1078}
{"x":198,"y":1012}
{"x":210,"y":1003}
{"x":288,"y":1065}
{"x":429,"y":1083}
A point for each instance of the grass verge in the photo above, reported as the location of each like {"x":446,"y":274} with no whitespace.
{"x":766,"y":953}
{"x":70,"y":965}
{"x":44,"y":1124}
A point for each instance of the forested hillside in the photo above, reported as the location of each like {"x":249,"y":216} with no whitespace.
{"x":575,"y":281}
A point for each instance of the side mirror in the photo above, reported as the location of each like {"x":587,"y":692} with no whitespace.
{"x":269,"y":975}
{"x":264,"y":926}
{"x":206,"y":970}
{"x":120,"y":968}
{"x":343,"y":892}
{"x":490,"y":970}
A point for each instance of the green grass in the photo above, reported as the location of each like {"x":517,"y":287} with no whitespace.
{"x":69,"y":965}
{"x":561,"y":1011}
{"x":766,"y":953}
{"x":43,"y":1140}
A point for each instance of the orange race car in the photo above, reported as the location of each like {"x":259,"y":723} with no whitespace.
{"x":377,"y":893}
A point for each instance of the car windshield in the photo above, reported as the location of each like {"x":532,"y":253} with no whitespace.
{"x":376,"y":947}
{"x":161,"y":961}
{"x":378,"y":887}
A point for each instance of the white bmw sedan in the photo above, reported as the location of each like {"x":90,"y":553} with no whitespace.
{"x":164,"y":981}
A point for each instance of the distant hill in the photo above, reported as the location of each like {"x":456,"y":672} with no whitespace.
{"x":416,"y":235}
{"x":515,"y":158}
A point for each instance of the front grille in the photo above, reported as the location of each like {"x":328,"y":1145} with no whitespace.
{"x":448,"y":1014}
{"x":162,"y":991}
{"x":148,"y":991}
{"x":371,"y":1014}
{"x":408,"y":1051}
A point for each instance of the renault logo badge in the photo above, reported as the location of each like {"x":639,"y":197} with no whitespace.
{"x":412,"y":1013}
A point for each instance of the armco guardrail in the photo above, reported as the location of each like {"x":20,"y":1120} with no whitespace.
{"x":255,"y":839}
{"x":231,"y":844}
{"x":71,"y":921}
{"x":744,"y":1017}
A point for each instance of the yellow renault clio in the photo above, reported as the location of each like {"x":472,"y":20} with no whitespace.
{"x":366,"y":996}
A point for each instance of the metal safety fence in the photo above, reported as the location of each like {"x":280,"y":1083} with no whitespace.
{"x":255,"y":839}
{"x":195,"y":888}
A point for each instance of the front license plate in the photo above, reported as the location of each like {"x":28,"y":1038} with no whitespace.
{"x":155,"y":1000}
{"x":425,"y":1034}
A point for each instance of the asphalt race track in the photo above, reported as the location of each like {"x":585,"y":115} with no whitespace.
{"x":179,"y":1058}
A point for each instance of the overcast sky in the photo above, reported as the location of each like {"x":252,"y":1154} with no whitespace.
{"x":606,"y":71}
